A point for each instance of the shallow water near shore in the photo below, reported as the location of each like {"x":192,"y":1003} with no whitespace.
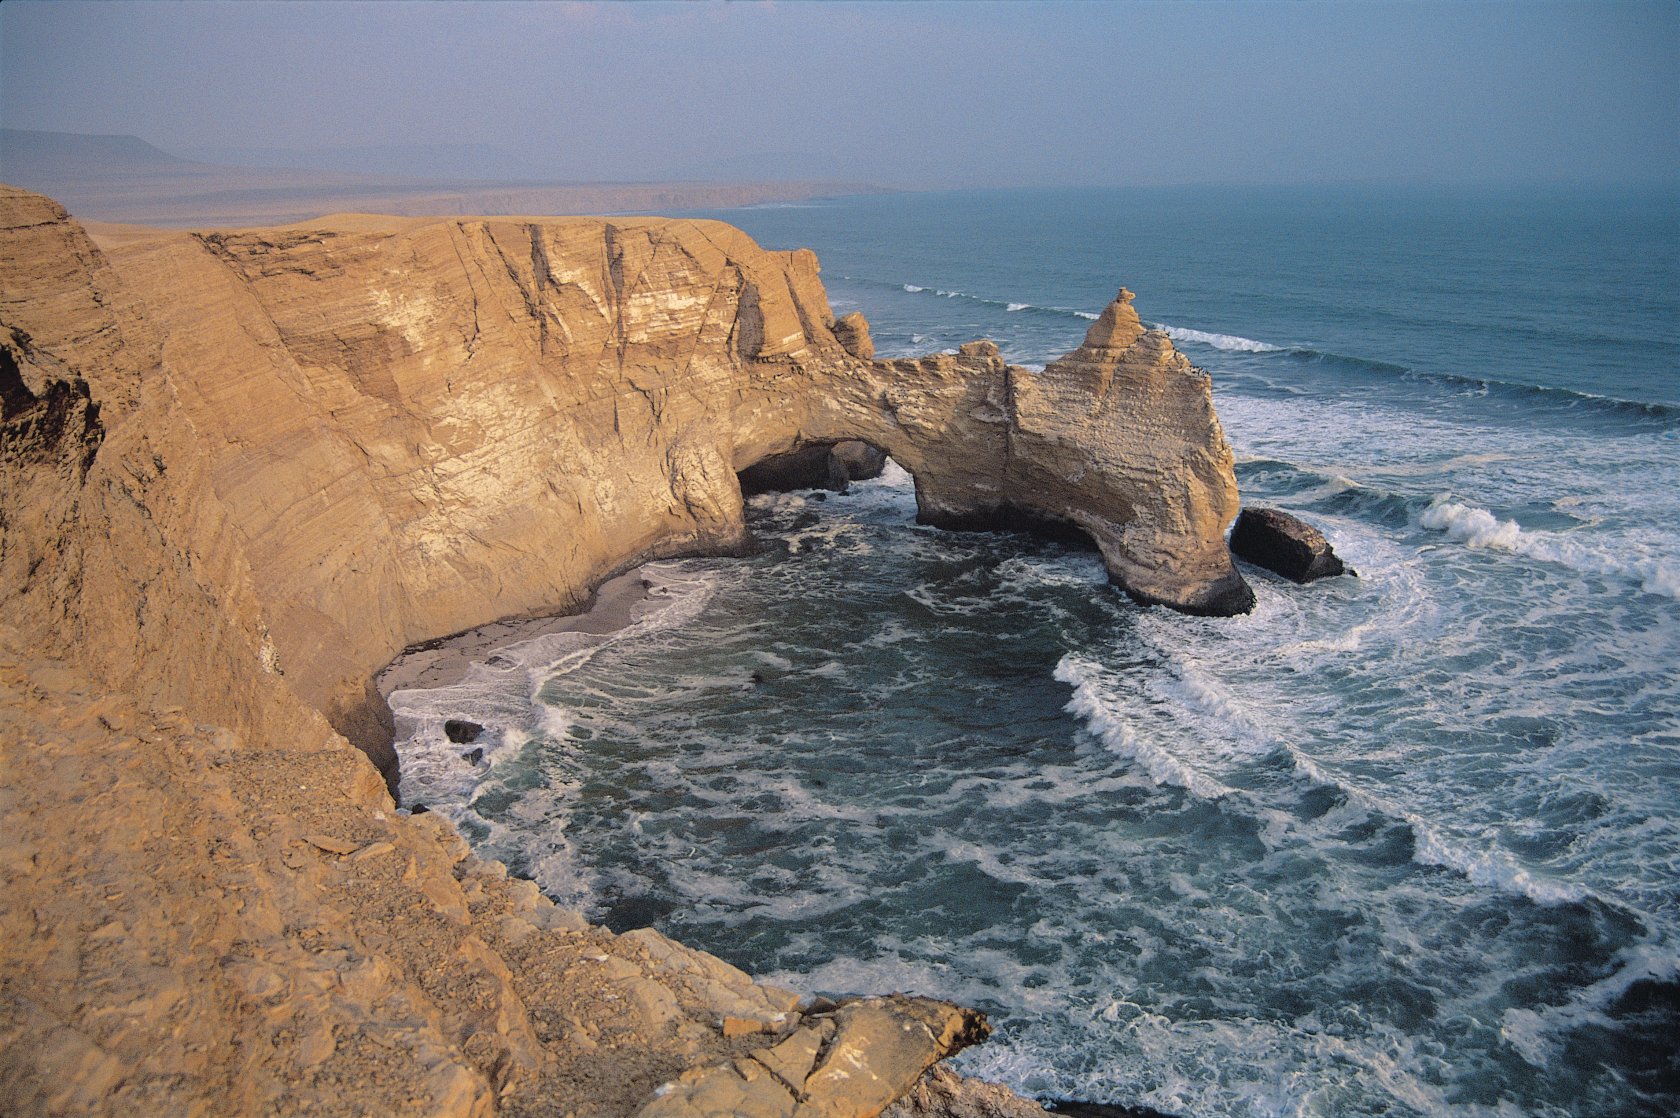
{"x":1401,"y":844}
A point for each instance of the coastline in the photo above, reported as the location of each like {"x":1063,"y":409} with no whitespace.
{"x":244,"y":475}
{"x":613,"y":605}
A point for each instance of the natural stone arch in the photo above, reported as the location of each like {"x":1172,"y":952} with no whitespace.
{"x":834,"y":466}
{"x":380,"y":431}
{"x":1117,"y":440}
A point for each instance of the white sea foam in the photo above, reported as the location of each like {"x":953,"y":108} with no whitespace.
{"x":1118,"y":735}
{"x":1233,"y":729}
{"x":1479,"y":528}
{"x":1088,"y":315}
{"x":1232,"y":733}
{"x":1490,"y":868}
{"x":912,"y":288}
{"x":1017,"y":306}
{"x":986,"y":860}
{"x":1183,"y":1065}
{"x":501,"y":693}
{"x":895,"y":476}
{"x":1229,"y":342}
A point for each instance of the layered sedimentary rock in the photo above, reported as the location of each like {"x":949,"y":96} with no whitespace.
{"x":416,"y":426}
{"x":1118,"y":441}
{"x":239,"y":471}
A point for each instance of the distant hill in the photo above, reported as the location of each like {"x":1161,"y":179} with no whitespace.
{"x":33,"y":155}
{"x":485,"y":162}
{"x":125,"y":179}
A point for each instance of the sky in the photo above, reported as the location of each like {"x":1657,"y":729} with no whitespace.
{"x":923,"y":94}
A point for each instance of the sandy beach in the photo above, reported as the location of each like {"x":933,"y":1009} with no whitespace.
{"x":617,"y":603}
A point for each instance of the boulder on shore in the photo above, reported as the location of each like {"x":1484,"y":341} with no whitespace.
{"x":1285,"y":544}
{"x":852,"y":331}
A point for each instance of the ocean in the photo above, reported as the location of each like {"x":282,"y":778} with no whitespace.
{"x":1400,"y":844}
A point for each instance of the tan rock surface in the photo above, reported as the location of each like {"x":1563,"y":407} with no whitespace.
{"x":942,"y":1093}
{"x":240,"y":471}
{"x":421,"y":425}
{"x":852,"y":1063}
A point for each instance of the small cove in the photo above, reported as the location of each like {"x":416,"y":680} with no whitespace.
{"x":1400,"y":845}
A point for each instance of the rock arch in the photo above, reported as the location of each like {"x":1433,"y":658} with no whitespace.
{"x":388,"y":430}
{"x":1117,"y":440}
{"x":319,"y":444}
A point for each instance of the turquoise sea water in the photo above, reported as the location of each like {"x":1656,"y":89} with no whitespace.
{"x":1407,"y":844}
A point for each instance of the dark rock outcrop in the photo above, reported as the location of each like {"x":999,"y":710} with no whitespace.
{"x":462,"y":732}
{"x":860,"y":460}
{"x":1285,"y":545}
{"x":809,"y":467}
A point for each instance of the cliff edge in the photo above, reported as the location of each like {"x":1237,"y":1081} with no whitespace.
{"x":239,"y":471}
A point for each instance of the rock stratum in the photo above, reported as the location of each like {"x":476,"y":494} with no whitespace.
{"x":241,"y":470}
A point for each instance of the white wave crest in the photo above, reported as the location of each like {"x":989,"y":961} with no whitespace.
{"x":1230,"y":342}
{"x":912,"y":288}
{"x":1473,"y":526}
{"x":1017,"y":306}
{"x":1088,"y":315}
{"x":1121,"y":739}
{"x":1490,"y":869}
{"x":1477,"y":527}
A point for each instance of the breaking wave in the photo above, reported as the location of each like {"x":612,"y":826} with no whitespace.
{"x":1229,"y":342}
{"x":1478,"y":528}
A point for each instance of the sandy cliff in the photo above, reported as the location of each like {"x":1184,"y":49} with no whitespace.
{"x":242,"y":470}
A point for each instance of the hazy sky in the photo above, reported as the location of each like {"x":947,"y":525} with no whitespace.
{"x":902,"y":93}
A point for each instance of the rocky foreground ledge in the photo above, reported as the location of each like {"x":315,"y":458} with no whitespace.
{"x":239,"y":471}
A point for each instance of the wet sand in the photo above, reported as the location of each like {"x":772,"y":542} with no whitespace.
{"x":617,"y":603}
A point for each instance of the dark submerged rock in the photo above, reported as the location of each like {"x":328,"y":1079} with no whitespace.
{"x":473,"y":756}
{"x":1102,"y":1110}
{"x":462,"y":732}
{"x":1285,"y":545}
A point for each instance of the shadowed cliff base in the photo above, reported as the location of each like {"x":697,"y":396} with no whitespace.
{"x":831,"y":466}
{"x":243,"y":470}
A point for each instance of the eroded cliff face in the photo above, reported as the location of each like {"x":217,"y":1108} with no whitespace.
{"x":240,"y":471}
{"x":417,"y":426}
